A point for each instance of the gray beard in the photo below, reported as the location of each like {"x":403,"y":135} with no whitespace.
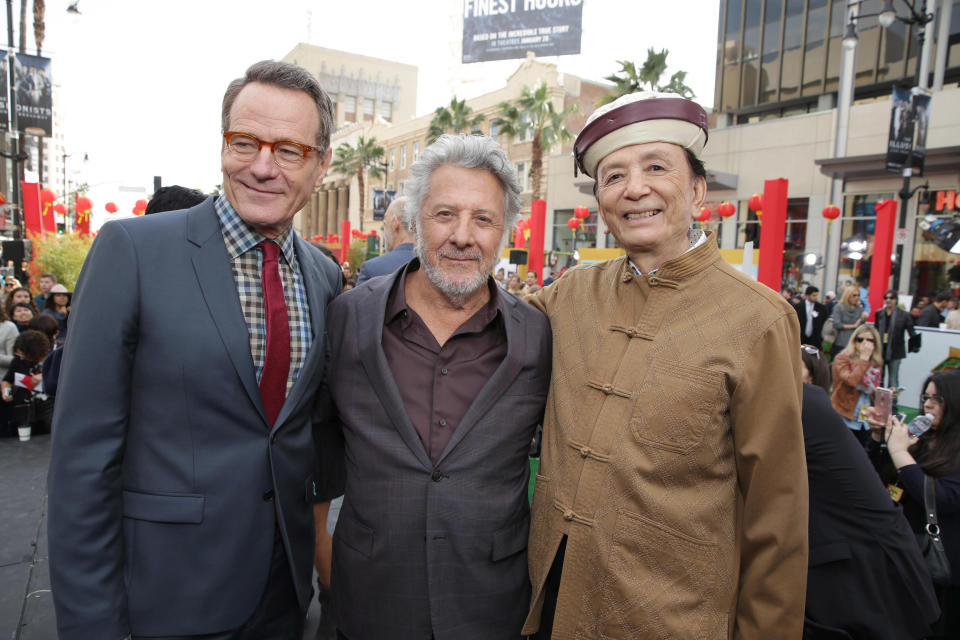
{"x":456,"y":292}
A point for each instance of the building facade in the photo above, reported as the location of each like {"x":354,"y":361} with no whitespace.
{"x":779,"y":68}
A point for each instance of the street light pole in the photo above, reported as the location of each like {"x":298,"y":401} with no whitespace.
{"x":15,"y":154}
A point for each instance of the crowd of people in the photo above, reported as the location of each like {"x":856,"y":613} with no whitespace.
{"x":689,"y":483}
{"x":31,"y":328}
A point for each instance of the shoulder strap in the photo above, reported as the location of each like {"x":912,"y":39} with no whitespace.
{"x":930,"y":504}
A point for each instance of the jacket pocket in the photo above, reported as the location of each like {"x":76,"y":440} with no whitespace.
{"x":676,"y":403}
{"x":662,"y":583}
{"x":356,"y":535}
{"x":510,"y":540}
{"x":183,"y":508}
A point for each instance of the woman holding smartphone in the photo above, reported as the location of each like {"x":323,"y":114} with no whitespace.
{"x":856,"y":373}
{"x":936,"y":453}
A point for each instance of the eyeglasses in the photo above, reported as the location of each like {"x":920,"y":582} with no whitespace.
{"x":813,"y":351}
{"x":861,"y":339}
{"x":286,"y":153}
{"x":889,"y":298}
{"x":932,"y":398}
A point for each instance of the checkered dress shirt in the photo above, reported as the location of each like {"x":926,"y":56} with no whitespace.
{"x":245,"y":261}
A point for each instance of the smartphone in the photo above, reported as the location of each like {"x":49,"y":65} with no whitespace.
{"x":883,"y":404}
{"x":902,"y":417}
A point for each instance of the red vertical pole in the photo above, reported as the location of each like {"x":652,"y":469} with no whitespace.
{"x":538,"y":219}
{"x":881,"y":263}
{"x":31,"y":208}
{"x":772,"y":232}
{"x":344,"y":240}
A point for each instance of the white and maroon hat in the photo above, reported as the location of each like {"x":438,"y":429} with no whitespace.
{"x":636,"y":118}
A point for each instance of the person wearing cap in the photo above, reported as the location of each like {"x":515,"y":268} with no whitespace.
{"x":57,"y":305}
{"x":671,"y":499}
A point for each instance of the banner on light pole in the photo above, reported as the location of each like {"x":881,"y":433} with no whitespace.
{"x":34,"y":94}
{"x":909,"y":121}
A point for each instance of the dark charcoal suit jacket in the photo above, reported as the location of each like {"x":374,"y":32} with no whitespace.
{"x":425,"y":550}
{"x":387,"y":263}
{"x":866,"y":573}
{"x":166,"y":480}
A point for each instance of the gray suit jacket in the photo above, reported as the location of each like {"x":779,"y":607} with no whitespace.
{"x":387,"y":263}
{"x":166,"y":481}
{"x":423,"y":549}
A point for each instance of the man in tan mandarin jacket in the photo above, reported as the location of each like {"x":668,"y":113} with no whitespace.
{"x":672,"y":496}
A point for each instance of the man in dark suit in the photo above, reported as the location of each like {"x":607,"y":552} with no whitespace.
{"x":397,"y":237}
{"x":182,"y":473}
{"x":812,"y":315}
{"x":439,"y":379}
{"x":932,"y":314}
{"x":892,"y":322}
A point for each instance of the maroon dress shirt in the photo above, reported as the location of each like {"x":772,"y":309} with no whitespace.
{"x":438,"y":383}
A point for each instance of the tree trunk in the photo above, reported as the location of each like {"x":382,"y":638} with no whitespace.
{"x":38,"y":23}
{"x":536,"y":165}
{"x":363,"y":190}
{"x":23,"y":26}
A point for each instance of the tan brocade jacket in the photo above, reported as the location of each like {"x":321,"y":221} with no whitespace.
{"x":673,"y":455}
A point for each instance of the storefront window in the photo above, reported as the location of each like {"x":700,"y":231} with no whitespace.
{"x":856,"y":235}
{"x":794,"y":241}
{"x":563,"y":234}
{"x":933,"y":268}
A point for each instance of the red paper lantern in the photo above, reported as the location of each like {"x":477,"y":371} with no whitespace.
{"x":523,"y":224}
{"x":142,"y":205}
{"x":755,"y":202}
{"x":704,"y":214}
{"x":82,"y":205}
{"x":333,"y":238}
{"x":581,"y":212}
{"x":60,"y":208}
{"x":831,"y":212}
{"x":373,"y":233}
{"x":111,"y":207}
{"x":47,"y":196}
{"x":3,"y":199}
{"x":573,"y":223}
{"x":726,"y":209}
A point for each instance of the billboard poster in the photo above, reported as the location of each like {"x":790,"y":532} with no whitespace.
{"x":508,"y":29}
{"x":900,"y":138}
{"x":4,"y":92}
{"x":34,"y":94}
{"x":382,"y":200}
{"x":921,"y":111}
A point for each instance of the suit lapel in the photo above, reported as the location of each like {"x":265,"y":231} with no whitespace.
{"x":215,"y":277}
{"x":501,"y":378}
{"x":370,"y":346}
{"x":318,"y":291}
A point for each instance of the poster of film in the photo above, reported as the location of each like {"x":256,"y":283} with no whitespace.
{"x":508,"y":29}
{"x":909,"y":121}
{"x":34,"y":94}
{"x":4,"y":91}
{"x":381,"y":200}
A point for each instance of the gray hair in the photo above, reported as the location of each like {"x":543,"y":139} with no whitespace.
{"x":286,"y":76}
{"x":471,"y":152}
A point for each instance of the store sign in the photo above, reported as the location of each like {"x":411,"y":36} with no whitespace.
{"x":946,"y":201}
{"x":909,"y":114}
{"x":508,"y":29}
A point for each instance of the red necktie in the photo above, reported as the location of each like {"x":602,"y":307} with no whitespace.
{"x":276,"y":359}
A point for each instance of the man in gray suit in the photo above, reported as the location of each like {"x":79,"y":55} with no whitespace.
{"x":397,"y":237}
{"x":182,"y":474}
{"x":439,"y":379}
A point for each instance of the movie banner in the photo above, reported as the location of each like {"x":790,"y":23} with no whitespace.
{"x":508,"y":29}
{"x":34,"y":94}
{"x":4,"y":91}
{"x":900,"y":138}
{"x":382,"y":200}
{"x":921,"y":116}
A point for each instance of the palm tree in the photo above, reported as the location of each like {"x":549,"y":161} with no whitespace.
{"x":365,"y":158}
{"x":533,"y":113}
{"x":455,"y":119}
{"x":629,"y":80}
{"x":23,"y":26}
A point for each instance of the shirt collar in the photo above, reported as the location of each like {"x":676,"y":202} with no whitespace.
{"x":240,"y":237}
{"x":696,"y":237}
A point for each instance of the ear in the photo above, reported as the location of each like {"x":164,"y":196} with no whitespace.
{"x":324,"y":165}
{"x":699,"y":193}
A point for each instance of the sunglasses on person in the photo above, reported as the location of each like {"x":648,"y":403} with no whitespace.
{"x":889,"y":297}
{"x":861,"y":339}
{"x":813,"y":351}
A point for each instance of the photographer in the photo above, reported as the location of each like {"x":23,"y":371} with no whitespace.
{"x":936,"y":453}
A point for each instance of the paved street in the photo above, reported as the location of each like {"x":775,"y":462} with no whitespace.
{"x":26,"y":605}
